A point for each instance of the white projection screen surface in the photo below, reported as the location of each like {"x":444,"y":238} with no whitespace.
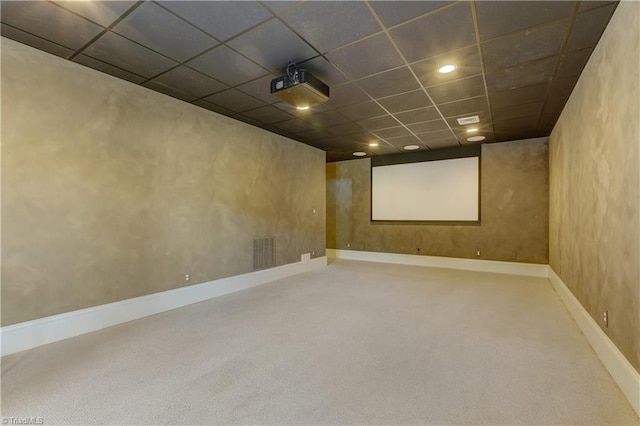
{"x":442,"y":190}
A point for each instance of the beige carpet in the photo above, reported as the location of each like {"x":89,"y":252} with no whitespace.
{"x":356,"y":343}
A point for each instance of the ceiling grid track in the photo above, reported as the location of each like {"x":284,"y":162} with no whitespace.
{"x":517,"y":61}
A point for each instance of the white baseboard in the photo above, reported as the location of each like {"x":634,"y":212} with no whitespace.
{"x":627,"y":378}
{"x":514,"y":268}
{"x":27,"y":335}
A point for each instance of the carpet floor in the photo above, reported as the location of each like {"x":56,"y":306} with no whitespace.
{"x":354,"y":343}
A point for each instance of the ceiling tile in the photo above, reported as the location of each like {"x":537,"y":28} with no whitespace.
{"x":248,"y":120}
{"x":443,"y":143}
{"x":467,"y":62}
{"x":171,"y":91}
{"x":548,"y":121}
{"x":304,"y":114}
{"x":33,"y":41}
{"x":383,"y":122}
{"x":519,"y":135}
{"x":102,"y":13}
{"x":395,"y":12}
{"x":328,"y":118}
{"x":189,"y":81}
{"x":399,"y":80}
{"x":559,"y":93}
{"x":341,"y":142}
{"x":518,"y":96}
{"x":348,"y":128}
{"x":517,"y":111}
{"x":227,"y":66}
{"x":391,"y":132}
{"x":572,"y":64}
{"x":439,"y":139}
{"x":159,"y":30}
{"x":260,"y":88}
{"x":234,"y":100}
{"x":295,"y":125}
{"x":496,"y":18}
{"x":522,"y":75}
{"x":345,"y":94}
{"x":383,"y":149}
{"x":418,"y":115}
{"x":323,"y":70}
{"x":449,"y":29}
{"x":281,"y":6}
{"x":271,"y":128}
{"x":272,"y":45}
{"x":591,"y":4}
{"x":485,"y":118}
{"x":313,"y":134}
{"x":50,"y":22}
{"x":524,"y":46}
{"x":428,"y":126}
{"x":328,"y":25}
{"x":405,"y":101}
{"x":519,"y":125}
{"x":463,"y":107}
{"x":120,"y":52}
{"x":362,"y":111}
{"x":588,"y":27}
{"x":358,"y":61}
{"x":457,"y":90}
{"x":211,"y":107}
{"x":268,"y":114}
{"x":563,"y":85}
{"x":403,"y":141}
{"x":108,"y":69}
{"x":221,"y":19}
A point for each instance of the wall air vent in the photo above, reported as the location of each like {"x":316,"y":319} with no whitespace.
{"x":468,"y":120}
{"x":264,"y":253}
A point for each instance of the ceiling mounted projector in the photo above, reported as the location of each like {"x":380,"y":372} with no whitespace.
{"x":299,"y":88}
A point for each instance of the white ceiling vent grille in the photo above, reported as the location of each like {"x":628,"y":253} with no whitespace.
{"x":264,"y":253}
{"x":468,"y":120}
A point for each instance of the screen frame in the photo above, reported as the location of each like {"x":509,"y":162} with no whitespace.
{"x":421,"y":157}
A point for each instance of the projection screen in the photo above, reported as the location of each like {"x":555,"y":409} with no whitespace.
{"x":443,"y":190}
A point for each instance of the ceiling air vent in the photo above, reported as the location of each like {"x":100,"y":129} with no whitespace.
{"x":468,"y":120}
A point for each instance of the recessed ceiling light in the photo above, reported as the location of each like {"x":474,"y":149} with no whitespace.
{"x":411,"y":147}
{"x":359,"y":154}
{"x":472,"y":130}
{"x":373,"y":144}
{"x":303,"y":107}
{"x":446,"y":69}
{"x":476,"y":138}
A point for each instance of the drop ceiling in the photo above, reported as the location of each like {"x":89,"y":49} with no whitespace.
{"x":517,"y":61}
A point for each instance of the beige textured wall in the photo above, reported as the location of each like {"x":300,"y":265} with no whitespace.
{"x":594,"y":180}
{"x":111,"y":191}
{"x":514,"y":210}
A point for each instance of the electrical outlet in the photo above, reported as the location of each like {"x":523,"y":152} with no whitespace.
{"x":187,"y":278}
{"x":605,"y":318}
{"x":314,"y":211}
{"x":348,"y":245}
{"x":313,"y":252}
{"x":478,"y":253}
